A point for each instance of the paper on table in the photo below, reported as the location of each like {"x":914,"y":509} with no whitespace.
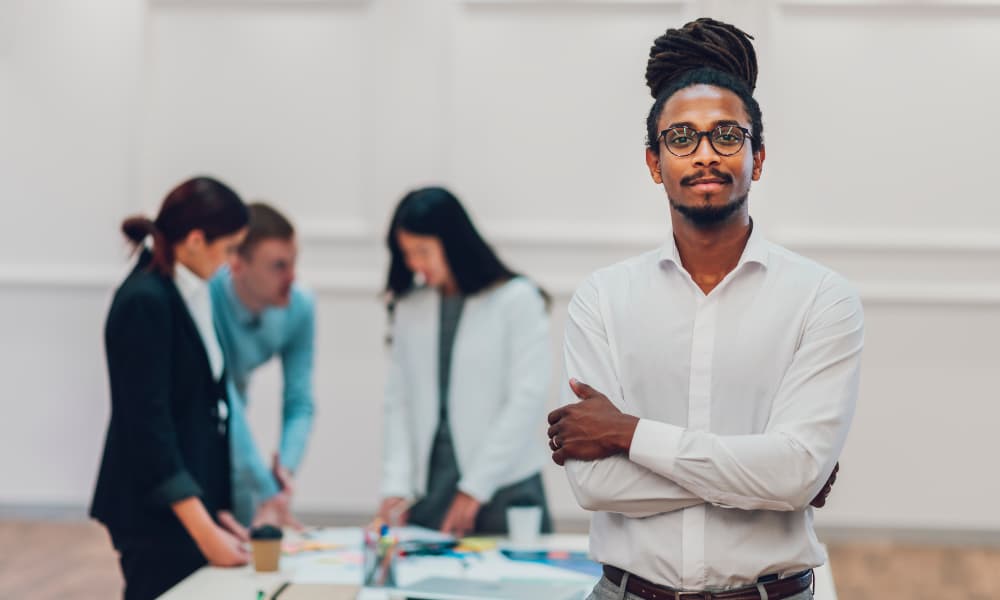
{"x":337,"y":567}
{"x":410,"y":533}
{"x":415,"y":568}
{"x":346,"y":536}
{"x":552,"y":542}
{"x":494,"y":566}
{"x":490,"y":567}
{"x":345,"y":566}
{"x":573,"y":561}
{"x":470,"y":589}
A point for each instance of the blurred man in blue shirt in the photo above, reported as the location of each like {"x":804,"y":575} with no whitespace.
{"x":260,"y":313}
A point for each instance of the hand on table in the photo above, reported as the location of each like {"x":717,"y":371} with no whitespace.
{"x":277,"y":510}
{"x":230,"y":524}
{"x":461,"y":516}
{"x":221,"y":547}
{"x":394,"y":511}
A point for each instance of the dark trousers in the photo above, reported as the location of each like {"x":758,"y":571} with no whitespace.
{"x":151,"y":569}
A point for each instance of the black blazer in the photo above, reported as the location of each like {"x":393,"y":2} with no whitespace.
{"x":168,"y":438}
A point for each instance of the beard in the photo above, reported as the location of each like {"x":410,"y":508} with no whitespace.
{"x":706,"y":215}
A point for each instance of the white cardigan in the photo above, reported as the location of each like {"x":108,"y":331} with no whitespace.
{"x":500,"y":370}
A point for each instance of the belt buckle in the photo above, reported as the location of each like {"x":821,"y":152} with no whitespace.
{"x":679,"y":595}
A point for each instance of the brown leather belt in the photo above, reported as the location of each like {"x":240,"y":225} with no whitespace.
{"x":776,"y":589}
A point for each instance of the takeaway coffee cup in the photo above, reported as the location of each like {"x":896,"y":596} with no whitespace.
{"x":266,"y":544}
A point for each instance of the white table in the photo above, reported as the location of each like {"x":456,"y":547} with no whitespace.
{"x":242,"y":583}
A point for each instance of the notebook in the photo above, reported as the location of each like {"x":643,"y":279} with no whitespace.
{"x":316,"y":591}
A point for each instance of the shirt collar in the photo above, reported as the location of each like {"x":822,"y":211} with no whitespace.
{"x":757,"y":251}
{"x":188,"y":284}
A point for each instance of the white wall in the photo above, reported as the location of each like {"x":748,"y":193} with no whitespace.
{"x":880,"y":137}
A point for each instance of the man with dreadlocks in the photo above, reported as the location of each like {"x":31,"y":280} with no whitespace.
{"x":713,"y":380}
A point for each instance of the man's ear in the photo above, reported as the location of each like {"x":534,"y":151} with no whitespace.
{"x":653,"y":164}
{"x":237,"y":263}
{"x":758,"y":162}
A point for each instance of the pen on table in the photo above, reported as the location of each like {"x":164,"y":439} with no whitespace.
{"x":386,"y":561}
{"x":280,"y":589}
{"x":375,"y":547}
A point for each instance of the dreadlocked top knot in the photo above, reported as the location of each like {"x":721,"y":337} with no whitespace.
{"x":703,"y":52}
{"x":703,"y":43}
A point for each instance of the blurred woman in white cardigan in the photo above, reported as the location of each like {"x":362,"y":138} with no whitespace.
{"x":468,"y":376}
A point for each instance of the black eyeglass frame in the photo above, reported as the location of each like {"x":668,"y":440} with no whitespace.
{"x":700,"y":134}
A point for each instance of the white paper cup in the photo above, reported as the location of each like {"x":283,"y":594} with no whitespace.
{"x":524,"y":524}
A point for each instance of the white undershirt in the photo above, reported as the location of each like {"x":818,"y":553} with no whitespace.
{"x":194,"y":291}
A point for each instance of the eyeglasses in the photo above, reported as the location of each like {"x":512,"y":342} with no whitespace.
{"x":726,"y":140}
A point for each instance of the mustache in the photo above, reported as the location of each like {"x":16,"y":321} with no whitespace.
{"x":715,"y":173}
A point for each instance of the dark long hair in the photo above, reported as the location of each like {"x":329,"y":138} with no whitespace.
{"x":201,"y":203}
{"x":437,"y":212}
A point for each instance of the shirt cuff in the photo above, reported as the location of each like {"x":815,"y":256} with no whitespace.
{"x":481,"y":491}
{"x":655,"y":445}
{"x":394,"y":489}
{"x":177,"y":487}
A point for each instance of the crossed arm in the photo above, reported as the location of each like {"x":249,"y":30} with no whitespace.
{"x":617,"y":462}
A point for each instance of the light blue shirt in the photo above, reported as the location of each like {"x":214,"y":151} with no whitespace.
{"x":248,"y":341}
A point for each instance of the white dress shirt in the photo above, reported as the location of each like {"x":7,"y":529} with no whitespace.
{"x":501,"y":368}
{"x":745,"y":396}
{"x":194,"y":291}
